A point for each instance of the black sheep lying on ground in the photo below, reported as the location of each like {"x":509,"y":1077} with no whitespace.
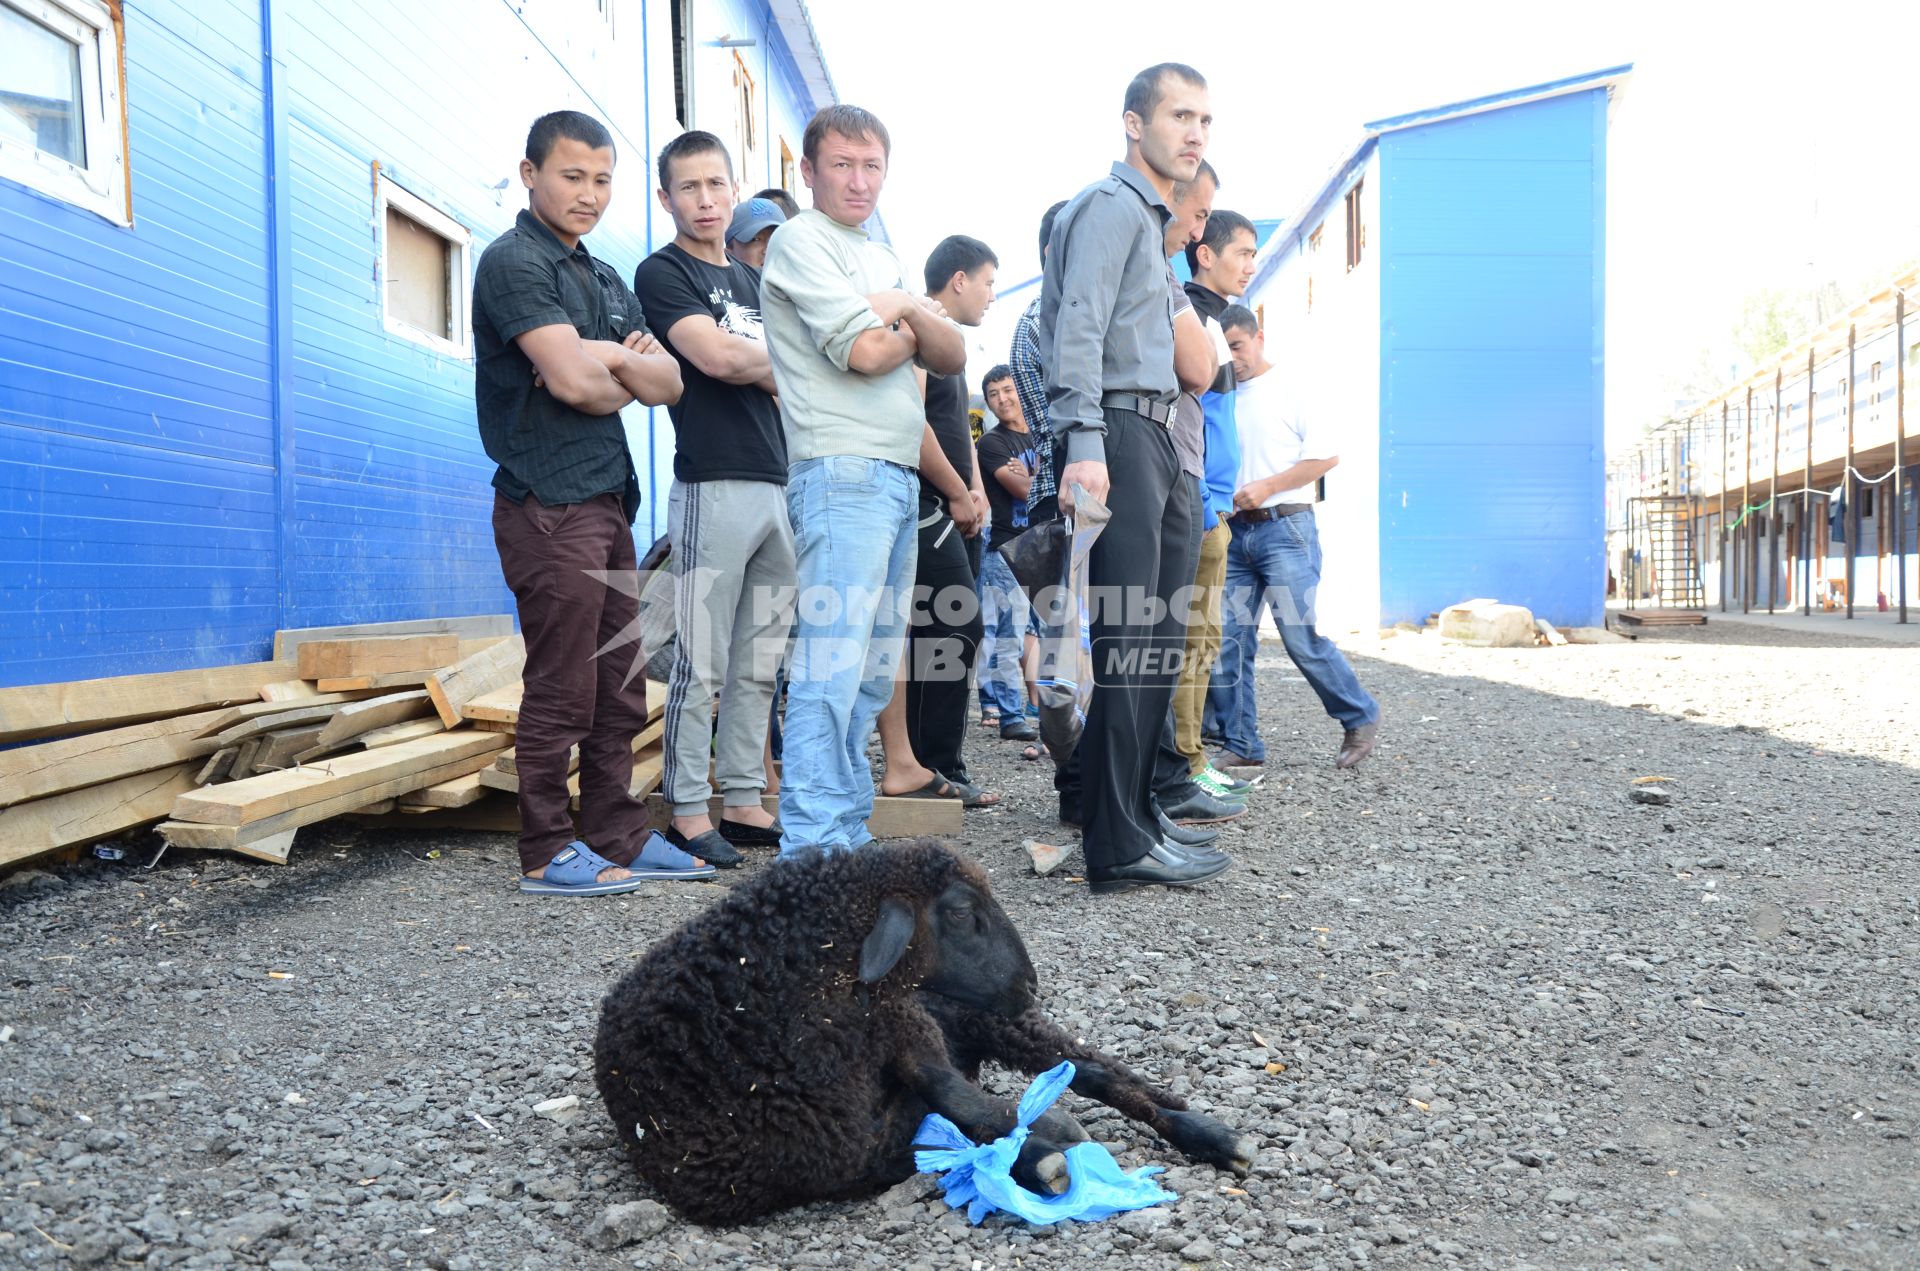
{"x":784,"y":1046}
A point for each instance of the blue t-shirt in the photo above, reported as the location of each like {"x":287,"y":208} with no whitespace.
{"x":1223,"y":453}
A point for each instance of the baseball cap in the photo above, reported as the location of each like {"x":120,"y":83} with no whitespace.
{"x":753,"y":216}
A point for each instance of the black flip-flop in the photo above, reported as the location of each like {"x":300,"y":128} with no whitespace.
{"x":938,"y":787}
{"x":740,"y":834}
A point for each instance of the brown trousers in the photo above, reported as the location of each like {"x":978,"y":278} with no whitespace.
{"x":573,"y":698}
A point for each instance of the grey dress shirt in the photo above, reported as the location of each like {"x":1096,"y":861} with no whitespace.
{"x":1106,"y":313}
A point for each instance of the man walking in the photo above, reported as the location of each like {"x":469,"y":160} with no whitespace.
{"x":1106,"y":320}
{"x":1274,"y":559}
{"x":726,"y":515}
{"x":560,"y":346}
{"x":842,"y":331}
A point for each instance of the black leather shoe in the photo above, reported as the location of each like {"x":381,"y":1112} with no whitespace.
{"x":1356,"y":745}
{"x":1175,"y":832}
{"x":709,"y":847}
{"x":1201,"y":808}
{"x":1199,"y":852}
{"x":740,"y":834}
{"x":1162,"y":866}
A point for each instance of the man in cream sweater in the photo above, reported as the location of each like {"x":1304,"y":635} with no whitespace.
{"x":844,"y":335}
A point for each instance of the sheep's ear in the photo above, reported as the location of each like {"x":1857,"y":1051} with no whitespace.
{"x":887,"y":942}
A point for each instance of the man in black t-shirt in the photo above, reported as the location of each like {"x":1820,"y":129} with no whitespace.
{"x":727,"y":514}
{"x":944,"y":632}
{"x":560,"y":346}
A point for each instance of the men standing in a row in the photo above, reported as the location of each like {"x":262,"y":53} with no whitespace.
{"x":1107,"y":325}
{"x":560,"y":345}
{"x":726,"y":514}
{"x":1274,"y":559}
{"x":843,"y":332}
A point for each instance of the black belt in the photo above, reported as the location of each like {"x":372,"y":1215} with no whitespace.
{"x":1279,"y":511}
{"x":1158,"y":411}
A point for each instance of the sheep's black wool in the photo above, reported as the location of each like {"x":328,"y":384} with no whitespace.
{"x":748,"y":1066}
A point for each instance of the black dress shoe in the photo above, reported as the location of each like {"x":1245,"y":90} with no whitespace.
{"x":1021,"y":731}
{"x":1201,"y":808}
{"x":1356,"y":745}
{"x":1199,"y":852}
{"x":1162,"y":866}
{"x":740,"y":834}
{"x":709,"y":847}
{"x":1173,"y":831}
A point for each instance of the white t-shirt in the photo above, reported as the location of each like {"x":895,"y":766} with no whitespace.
{"x":1274,"y":436}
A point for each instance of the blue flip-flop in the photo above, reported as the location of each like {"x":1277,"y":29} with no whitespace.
{"x":660,"y":859}
{"x":576,"y":872}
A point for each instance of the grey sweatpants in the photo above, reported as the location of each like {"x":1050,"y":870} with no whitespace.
{"x":733,"y":614}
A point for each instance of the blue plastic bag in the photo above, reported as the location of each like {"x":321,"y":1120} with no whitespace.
{"x":980,"y":1176}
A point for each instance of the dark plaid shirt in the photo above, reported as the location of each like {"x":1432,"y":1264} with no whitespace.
{"x":527,"y":278}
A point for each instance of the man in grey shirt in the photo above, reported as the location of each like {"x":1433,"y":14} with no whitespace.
{"x":1106,"y":322}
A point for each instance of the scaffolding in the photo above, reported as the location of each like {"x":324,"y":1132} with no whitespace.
{"x":1666,"y":566}
{"x":1790,"y":485}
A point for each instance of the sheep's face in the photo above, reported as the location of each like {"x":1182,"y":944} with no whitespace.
{"x":979,"y":958}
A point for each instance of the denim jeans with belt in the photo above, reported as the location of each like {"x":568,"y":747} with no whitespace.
{"x":854,"y":541}
{"x":1276,"y":565}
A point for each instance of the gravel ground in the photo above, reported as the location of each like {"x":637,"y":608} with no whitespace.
{"x":1515,"y":1019}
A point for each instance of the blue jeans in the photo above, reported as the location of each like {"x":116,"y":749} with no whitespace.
{"x":1276,"y":565}
{"x":1003,"y":611}
{"x":854,"y":542}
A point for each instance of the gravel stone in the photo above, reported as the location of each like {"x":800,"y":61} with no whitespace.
{"x":1677,"y":1036}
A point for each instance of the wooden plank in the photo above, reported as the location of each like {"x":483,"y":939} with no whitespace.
{"x":501,"y":705}
{"x":272,"y":850}
{"x":504,"y":773}
{"x":286,"y":644}
{"x":223,"y":720}
{"x":484,"y":672}
{"x":647,"y":769}
{"x":460,"y":792}
{"x":288,"y":691}
{"x":283,"y":749}
{"x":91,"y":813}
{"x":376,"y":655}
{"x":53,"y":767}
{"x":492,"y":815}
{"x":258,"y":798}
{"x":227,"y":837}
{"x":218,"y":765}
{"x":376,"y":712}
{"x":492,"y":726}
{"x":283,"y":718}
{"x":393,"y":734}
{"x":56,"y":710}
{"x":243,"y":761}
{"x":384,"y":680}
{"x":507,"y":760}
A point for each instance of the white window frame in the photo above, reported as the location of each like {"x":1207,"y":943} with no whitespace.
{"x":388,"y":194}
{"x":101,"y":185}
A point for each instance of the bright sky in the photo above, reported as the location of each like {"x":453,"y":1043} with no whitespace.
{"x":1758,"y":145}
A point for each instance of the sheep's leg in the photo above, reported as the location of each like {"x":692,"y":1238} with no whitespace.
{"x":1033,"y":1043}
{"x":1042,"y":1163}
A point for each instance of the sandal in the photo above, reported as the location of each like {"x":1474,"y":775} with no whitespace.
{"x":576,"y":872}
{"x":972,"y":796}
{"x":937,"y":787}
{"x":660,"y":859}
{"x":989,"y":719}
{"x":1032,"y":752}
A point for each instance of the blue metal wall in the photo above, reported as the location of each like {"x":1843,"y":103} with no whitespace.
{"x":205,"y":431}
{"x":1492,"y":231}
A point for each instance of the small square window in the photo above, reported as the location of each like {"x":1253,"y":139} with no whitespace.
{"x":424,"y":272}
{"x":61,"y":129}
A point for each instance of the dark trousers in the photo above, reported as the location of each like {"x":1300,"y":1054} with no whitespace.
{"x":941,"y":643}
{"x":1172,"y":778}
{"x":1145,"y":554}
{"x":573,"y":698}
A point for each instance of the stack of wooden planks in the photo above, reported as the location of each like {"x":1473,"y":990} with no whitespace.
{"x":396,"y":724}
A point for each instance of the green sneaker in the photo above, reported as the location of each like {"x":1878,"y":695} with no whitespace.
{"x":1220,"y":785}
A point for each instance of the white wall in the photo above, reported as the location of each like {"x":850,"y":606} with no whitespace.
{"x":1329,"y":359}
